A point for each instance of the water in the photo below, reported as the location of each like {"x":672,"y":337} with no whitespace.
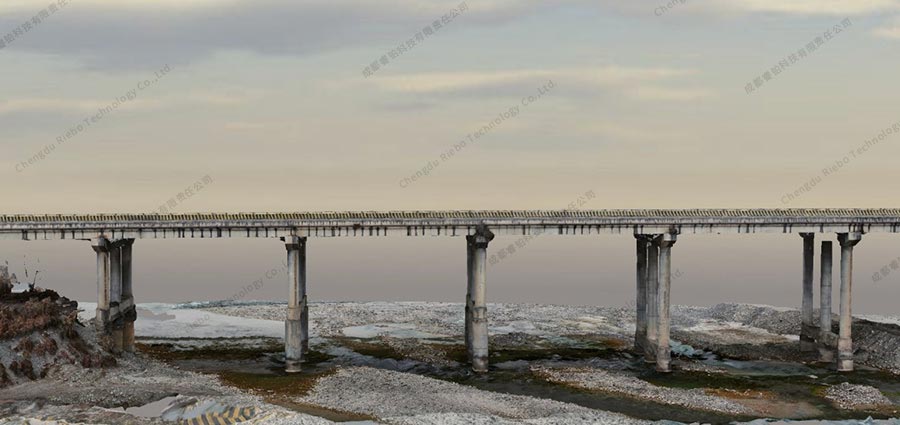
{"x":792,"y":385}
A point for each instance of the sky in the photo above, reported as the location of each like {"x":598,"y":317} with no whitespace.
{"x":273,"y":105}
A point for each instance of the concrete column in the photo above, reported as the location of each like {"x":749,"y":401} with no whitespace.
{"x":652,"y":306}
{"x":101,"y":247}
{"x":470,"y":290}
{"x":130,"y":312}
{"x":296,"y":327}
{"x":479,"y":300}
{"x":825,"y":352}
{"x":640,"y":329}
{"x":115,"y":297}
{"x":807,"y":328}
{"x":845,"y":341}
{"x":663,"y":352}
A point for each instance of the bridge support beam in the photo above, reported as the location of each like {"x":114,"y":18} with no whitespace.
{"x":101,"y":247}
{"x":845,"y":341}
{"x":807,"y":327}
{"x":478,"y":320}
{"x":129,"y":312}
{"x":640,"y":304}
{"x":652,"y":306}
{"x":826,"y":354}
{"x":296,"y":326}
{"x":663,"y":352}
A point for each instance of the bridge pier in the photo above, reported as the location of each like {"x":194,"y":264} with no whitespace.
{"x":826,"y":354}
{"x":477,"y":321}
{"x":100,"y":245}
{"x":470,"y":290}
{"x":296,"y":326}
{"x":129,"y":310}
{"x":115,"y":300}
{"x":845,"y":341}
{"x":807,"y":328}
{"x":116,"y":324}
{"x":652,"y":306}
{"x":640,"y":328}
{"x":663,"y":352}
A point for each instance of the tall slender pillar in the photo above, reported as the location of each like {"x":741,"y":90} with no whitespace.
{"x":807,"y":328}
{"x":652,"y":306}
{"x":296,"y":327}
{"x":129,"y":311}
{"x":824,"y":341}
{"x":115,"y":297}
{"x":470,"y":290}
{"x":663,"y":352}
{"x":640,"y":328}
{"x":483,"y":236}
{"x":845,"y":341}
{"x":101,"y":247}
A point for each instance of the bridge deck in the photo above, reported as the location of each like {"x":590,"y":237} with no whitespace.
{"x":448,"y":223}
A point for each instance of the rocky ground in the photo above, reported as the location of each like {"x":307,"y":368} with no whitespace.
{"x":617,"y":382}
{"x":856,"y":397}
{"x":398,"y":397}
{"x":740,"y":331}
{"x":403,"y":363}
{"x":39,"y":332}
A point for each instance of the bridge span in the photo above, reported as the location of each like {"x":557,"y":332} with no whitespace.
{"x":655,"y":232}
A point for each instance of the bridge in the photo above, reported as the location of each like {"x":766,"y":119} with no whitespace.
{"x":655,"y":231}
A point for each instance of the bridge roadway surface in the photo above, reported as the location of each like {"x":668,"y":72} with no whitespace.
{"x":655,"y":232}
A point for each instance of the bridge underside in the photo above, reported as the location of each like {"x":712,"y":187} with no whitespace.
{"x":656,"y":232}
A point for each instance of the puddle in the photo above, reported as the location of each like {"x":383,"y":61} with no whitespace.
{"x":762,"y":368}
{"x":393,"y":330}
{"x":149,"y":410}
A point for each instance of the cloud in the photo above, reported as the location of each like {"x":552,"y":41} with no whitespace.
{"x":814,"y":7}
{"x":444,"y":82}
{"x":48,"y":105}
{"x":62,"y":105}
{"x":639,"y":83}
{"x":141,"y":33}
{"x":669,"y":8}
{"x":670,"y":93}
{"x":890,"y":31}
{"x":73,"y":105}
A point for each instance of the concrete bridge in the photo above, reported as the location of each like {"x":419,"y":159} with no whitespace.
{"x":656,"y":231}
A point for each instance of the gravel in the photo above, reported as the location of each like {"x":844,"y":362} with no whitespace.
{"x":477,"y":419}
{"x":856,"y":397}
{"x":388,"y":394}
{"x":621,"y":383}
